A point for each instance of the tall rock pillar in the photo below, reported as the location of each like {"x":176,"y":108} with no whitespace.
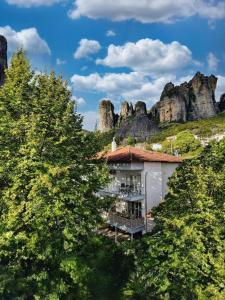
{"x":3,"y":58}
{"x":107,"y":117}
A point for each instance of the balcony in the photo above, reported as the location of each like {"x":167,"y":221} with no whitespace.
{"x":125,"y":223}
{"x":124,"y":193}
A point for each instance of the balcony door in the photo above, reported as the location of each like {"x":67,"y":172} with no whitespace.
{"x":135,"y":209}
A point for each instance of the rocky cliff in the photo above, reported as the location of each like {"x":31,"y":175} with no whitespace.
{"x":191,"y":100}
{"x":107,"y":117}
{"x":3,"y":58}
{"x":222,"y":103}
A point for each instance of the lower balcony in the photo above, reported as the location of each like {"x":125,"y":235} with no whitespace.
{"x":125,"y":223}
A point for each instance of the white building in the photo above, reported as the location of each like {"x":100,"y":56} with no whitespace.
{"x":138,"y":182}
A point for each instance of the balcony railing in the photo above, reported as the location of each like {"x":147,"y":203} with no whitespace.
{"x":126,"y":193}
{"x":131,"y":225}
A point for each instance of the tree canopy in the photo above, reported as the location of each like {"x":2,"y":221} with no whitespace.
{"x":49,"y":175}
{"x":184,"y":257}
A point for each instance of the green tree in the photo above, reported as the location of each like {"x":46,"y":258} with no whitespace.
{"x":48,"y":178}
{"x":186,"y":142}
{"x":184,"y":257}
{"x":131,"y":141}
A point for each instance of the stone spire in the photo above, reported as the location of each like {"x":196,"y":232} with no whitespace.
{"x":3,"y":58}
{"x":107,"y":117}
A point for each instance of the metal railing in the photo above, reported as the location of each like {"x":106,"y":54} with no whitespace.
{"x":120,"y":221}
{"x":125,"y":193}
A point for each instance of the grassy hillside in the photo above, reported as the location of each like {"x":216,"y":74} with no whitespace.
{"x":202,"y":128}
{"x":184,"y":135}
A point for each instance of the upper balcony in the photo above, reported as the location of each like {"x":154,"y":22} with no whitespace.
{"x":126,"y":193}
{"x":126,"y":166}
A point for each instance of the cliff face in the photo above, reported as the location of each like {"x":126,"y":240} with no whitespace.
{"x":222,"y":103}
{"x":3,"y":58}
{"x":190,"y":101}
{"x":138,"y":124}
{"x":131,"y":121}
{"x":202,"y":103}
{"x":107,"y":117}
{"x":172,"y":104}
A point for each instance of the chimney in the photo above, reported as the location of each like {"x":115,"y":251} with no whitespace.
{"x":114,"y":145}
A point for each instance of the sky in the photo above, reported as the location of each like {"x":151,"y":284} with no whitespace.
{"x":118,"y":50}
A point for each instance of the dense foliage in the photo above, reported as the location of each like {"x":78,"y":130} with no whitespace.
{"x":184,"y":258}
{"x":185,"y":143}
{"x":48,"y":179}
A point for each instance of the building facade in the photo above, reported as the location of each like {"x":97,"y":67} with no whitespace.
{"x":138,"y":183}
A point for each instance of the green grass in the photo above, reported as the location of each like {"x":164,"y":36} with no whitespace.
{"x":202,"y":128}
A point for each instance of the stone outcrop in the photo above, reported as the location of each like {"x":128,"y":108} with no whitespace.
{"x":140,"y":108}
{"x":3,"y":58}
{"x":202,"y":103}
{"x":107,"y":117}
{"x":222,"y":103}
{"x":189,"y":101}
{"x":141,"y":127}
{"x":172,"y":104}
{"x":126,"y":111}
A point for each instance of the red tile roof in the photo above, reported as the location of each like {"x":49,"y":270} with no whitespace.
{"x":129,"y":154}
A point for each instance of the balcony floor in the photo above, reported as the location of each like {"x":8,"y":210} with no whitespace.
{"x":125,"y":224}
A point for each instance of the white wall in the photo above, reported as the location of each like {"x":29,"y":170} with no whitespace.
{"x":157,"y":178}
{"x":167,"y":171}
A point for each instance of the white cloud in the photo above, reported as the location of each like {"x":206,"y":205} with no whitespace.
{"x":212,"y":61}
{"x":79,"y":100}
{"x":110,"y":33}
{"x":86,"y":48}
{"x":220,"y":86}
{"x":28,"y":39}
{"x":148,"y":11}
{"x":90,"y":119}
{"x":60,"y":62}
{"x":147,"y":55}
{"x":132,"y":86}
{"x":30,"y":3}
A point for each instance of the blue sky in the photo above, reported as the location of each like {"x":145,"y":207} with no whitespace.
{"x":122,"y":51}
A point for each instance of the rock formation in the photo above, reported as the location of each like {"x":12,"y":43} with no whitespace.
{"x":140,"y":108}
{"x":3,"y":58}
{"x":172,"y":104}
{"x":222,"y":103}
{"x":107,"y":117}
{"x":202,"y":103}
{"x":189,"y":101}
{"x":126,"y":111}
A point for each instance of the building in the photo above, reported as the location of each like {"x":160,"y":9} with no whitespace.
{"x":139,"y":183}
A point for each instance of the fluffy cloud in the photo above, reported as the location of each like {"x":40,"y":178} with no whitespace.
{"x":212,"y":61}
{"x":28,"y":39}
{"x":86,"y":48}
{"x":146,"y":11}
{"x":147,"y":55}
{"x":132,"y":86}
{"x":110,"y":33}
{"x":220,"y":87}
{"x":79,"y":101}
{"x":90,"y":119}
{"x":30,"y":3}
